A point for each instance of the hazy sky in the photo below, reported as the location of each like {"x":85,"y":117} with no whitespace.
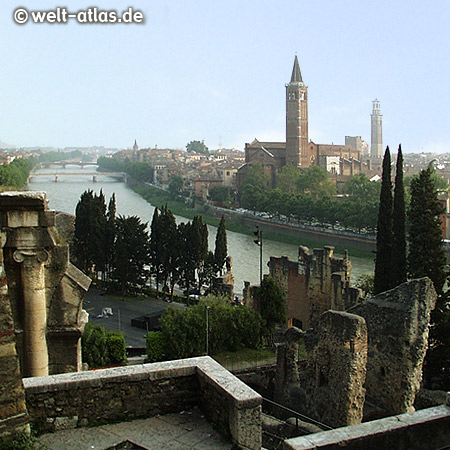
{"x":211,"y":69}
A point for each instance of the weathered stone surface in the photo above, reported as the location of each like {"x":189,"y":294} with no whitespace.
{"x":335,"y":372}
{"x":425,"y":429}
{"x":147,"y":390}
{"x":397,"y":323}
{"x":13,"y":412}
{"x":315,"y":283}
{"x":45,"y":290}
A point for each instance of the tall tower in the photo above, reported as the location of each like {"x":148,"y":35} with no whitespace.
{"x":376,"y":147}
{"x":297,"y":120}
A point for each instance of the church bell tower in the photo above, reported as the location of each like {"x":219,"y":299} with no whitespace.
{"x":297,"y":120}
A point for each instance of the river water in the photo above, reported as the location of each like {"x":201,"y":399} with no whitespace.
{"x":65,"y":194}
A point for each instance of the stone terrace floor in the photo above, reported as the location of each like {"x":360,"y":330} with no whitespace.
{"x":185,"y":430}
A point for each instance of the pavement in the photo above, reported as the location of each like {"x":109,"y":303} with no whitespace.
{"x":123,"y":311}
{"x":184,"y":430}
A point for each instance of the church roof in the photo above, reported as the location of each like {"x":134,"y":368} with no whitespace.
{"x":296,"y":76}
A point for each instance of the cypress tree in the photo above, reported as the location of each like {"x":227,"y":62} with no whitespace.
{"x":427,"y":258}
{"x":426,"y":253}
{"x":383,"y":260}
{"x":221,"y":250}
{"x":398,"y":226}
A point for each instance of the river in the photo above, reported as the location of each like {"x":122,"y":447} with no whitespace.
{"x":64,"y":196}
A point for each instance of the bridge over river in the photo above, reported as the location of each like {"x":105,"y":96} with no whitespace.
{"x":57,"y":175}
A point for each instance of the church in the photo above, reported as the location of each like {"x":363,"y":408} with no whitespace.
{"x":298,"y":150}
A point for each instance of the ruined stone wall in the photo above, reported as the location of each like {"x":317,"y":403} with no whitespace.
{"x":397,"y":323}
{"x":385,"y":337}
{"x":336,"y":370}
{"x":316,"y":283}
{"x":328,"y":386}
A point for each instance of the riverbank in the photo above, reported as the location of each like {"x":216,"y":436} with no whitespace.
{"x":246,"y":225}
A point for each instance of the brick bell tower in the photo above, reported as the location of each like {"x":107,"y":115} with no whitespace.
{"x":297,"y":120}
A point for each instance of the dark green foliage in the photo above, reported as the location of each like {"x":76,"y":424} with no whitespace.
{"x":383,"y":261}
{"x":140,"y":171}
{"x":437,"y":361}
{"x":102,"y":349}
{"x":94,"y":346}
{"x":426,"y":257}
{"x":221,"y":248}
{"x":230,"y":328}
{"x":197,"y":147}
{"x":155,"y":346}
{"x":398,"y":226}
{"x":131,"y":252}
{"x":15,"y":174}
{"x":176,"y":184}
{"x":426,"y":254}
{"x":110,"y":234}
{"x":115,"y":348}
{"x":221,"y":195}
{"x":254,"y":186}
{"x":272,"y":306}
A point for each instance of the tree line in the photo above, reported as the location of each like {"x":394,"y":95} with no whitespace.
{"x":409,"y":246}
{"x":123,"y":250}
{"x":140,"y":171}
{"x":310,"y":196}
{"x":15,"y":174}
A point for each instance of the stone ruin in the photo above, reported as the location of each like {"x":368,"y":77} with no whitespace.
{"x":365,"y":362}
{"x":41,"y":315}
{"x":317,"y":282}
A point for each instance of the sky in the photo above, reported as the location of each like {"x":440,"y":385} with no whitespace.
{"x":216,"y":71}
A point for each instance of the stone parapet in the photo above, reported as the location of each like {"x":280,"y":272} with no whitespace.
{"x":424,"y":429}
{"x":124,"y":393}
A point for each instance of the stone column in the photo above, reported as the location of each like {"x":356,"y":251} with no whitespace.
{"x":35,"y":311}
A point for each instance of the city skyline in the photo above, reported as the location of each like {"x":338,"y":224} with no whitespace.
{"x":216,"y":72}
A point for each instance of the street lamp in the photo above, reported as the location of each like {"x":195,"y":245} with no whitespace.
{"x":207,"y":329}
{"x":258,"y":241}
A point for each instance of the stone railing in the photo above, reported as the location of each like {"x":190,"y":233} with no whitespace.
{"x":427,"y":428}
{"x":110,"y":395}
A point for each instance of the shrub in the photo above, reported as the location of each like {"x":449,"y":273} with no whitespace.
{"x":155,"y":346}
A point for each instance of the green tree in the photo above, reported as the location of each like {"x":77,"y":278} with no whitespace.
{"x":398,"y":226}
{"x":253,"y":188}
{"x":199,"y":237}
{"x":155,"y":346}
{"x":156,"y":253}
{"x":288,"y":179}
{"x":84,"y":234}
{"x":197,"y":147}
{"x":426,"y":255}
{"x":316,"y":182}
{"x":131,"y":253}
{"x":272,"y":306}
{"x":176,"y":185}
{"x":110,"y":234}
{"x":222,"y":195}
{"x":115,"y":348}
{"x":221,"y":248}
{"x":383,"y":260}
